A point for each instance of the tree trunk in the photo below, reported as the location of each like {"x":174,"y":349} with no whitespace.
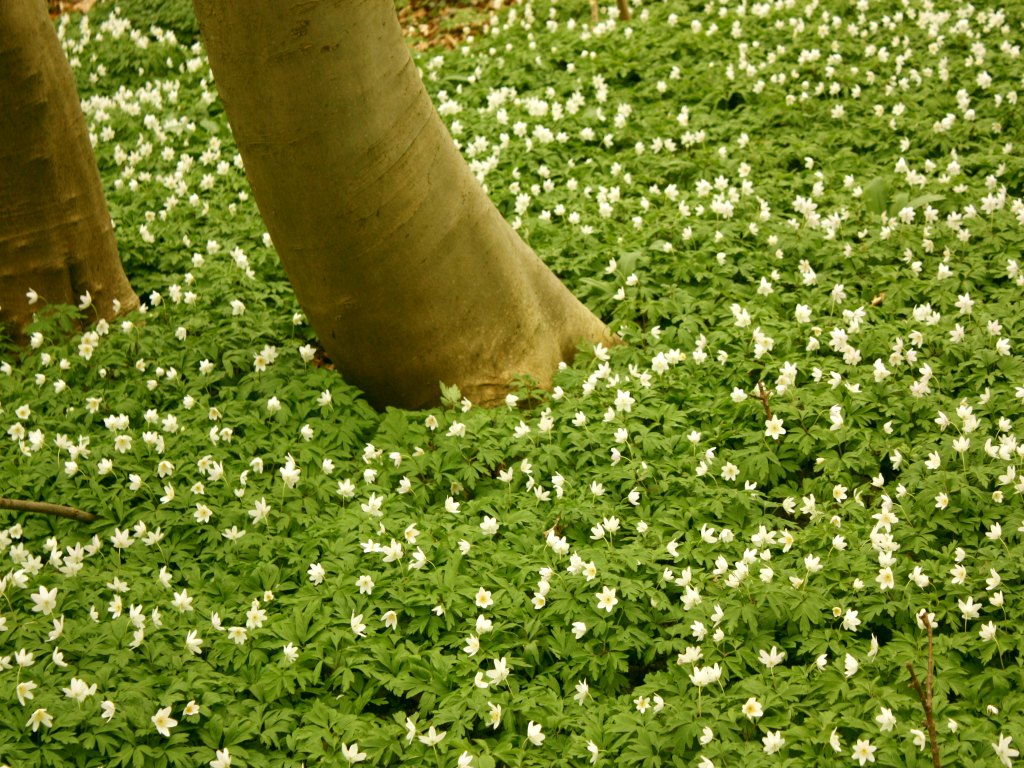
{"x":406,"y":271}
{"x":56,"y":237}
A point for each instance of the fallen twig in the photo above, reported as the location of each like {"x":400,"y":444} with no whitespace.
{"x":47,"y":509}
{"x":762,"y":395}
{"x":926,"y":694}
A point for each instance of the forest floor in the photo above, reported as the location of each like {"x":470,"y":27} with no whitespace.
{"x":735,"y":540}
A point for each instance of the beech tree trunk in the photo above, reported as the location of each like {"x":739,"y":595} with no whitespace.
{"x":56,"y":237}
{"x":407,"y":272}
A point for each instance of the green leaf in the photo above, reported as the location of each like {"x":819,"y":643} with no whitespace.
{"x":876,"y":196}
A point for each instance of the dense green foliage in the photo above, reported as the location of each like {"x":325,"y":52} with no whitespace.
{"x":172,"y":15}
{"x":710,"y":546}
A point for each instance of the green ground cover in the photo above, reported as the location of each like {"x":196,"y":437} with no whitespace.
{"x":711,"y":546}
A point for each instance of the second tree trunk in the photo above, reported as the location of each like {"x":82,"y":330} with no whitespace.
{"x":56,"y":238}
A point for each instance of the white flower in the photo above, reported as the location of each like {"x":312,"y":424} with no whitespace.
{"x":352,"y":753}
{"x":432,"y":737}
{"x":39,"y":717}
{"x":885,"y":579}
{"x":623,"y":401}
{"x":223,"y":759}
{"x":182,"y":601}
{"x":45,"y":600}
{"x":834,"y":742}
{"x":316,"y":573}
{"x":260,"y":511}
{"x":959,"y":574}
{"x":968,"y":608}
{"x":752,"y":708}
{"x":291,"y":653}
{"x":863,"y":751}
{"x":163,"y":721}
{"x":582,"y":692}
{"x":771,"y":658}
{"x":773,"y":742}
{"x":704,"y":676}
{"x":290,"y":473}
{"x":886,"y":720}
{"x":23,"y":691}
{"x":499,"y":673}
{"x":365,"y":584}
{"x":493,"y":715}
{"x":238,"y":635}
{"x":193,"y":643}
{"x":534,"y":733}
{"x":835,"y":415}
{"x":1004,"y":751}
{"x":988,"y":631}
{"x":483,"y":598}
{"x":993,"y":581}
{"x":606,"y":599}
{"x":391,"y":552}
{"x":79,"y":690}
{"x":773,"y":428}
{"x":851,"y":665}
{"x":373,"y":505}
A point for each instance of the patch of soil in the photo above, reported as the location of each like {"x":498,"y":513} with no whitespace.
{"x":427,"y":23}
{"x":443,"y":24}
{"x":57,"y":7}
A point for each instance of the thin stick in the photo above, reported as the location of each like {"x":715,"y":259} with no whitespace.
{"x":48,"y":509}
{"x":928,"y":680}
{"x":926,"y":694}
{"x":624,"y":12}
{"x":762,"y":395}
